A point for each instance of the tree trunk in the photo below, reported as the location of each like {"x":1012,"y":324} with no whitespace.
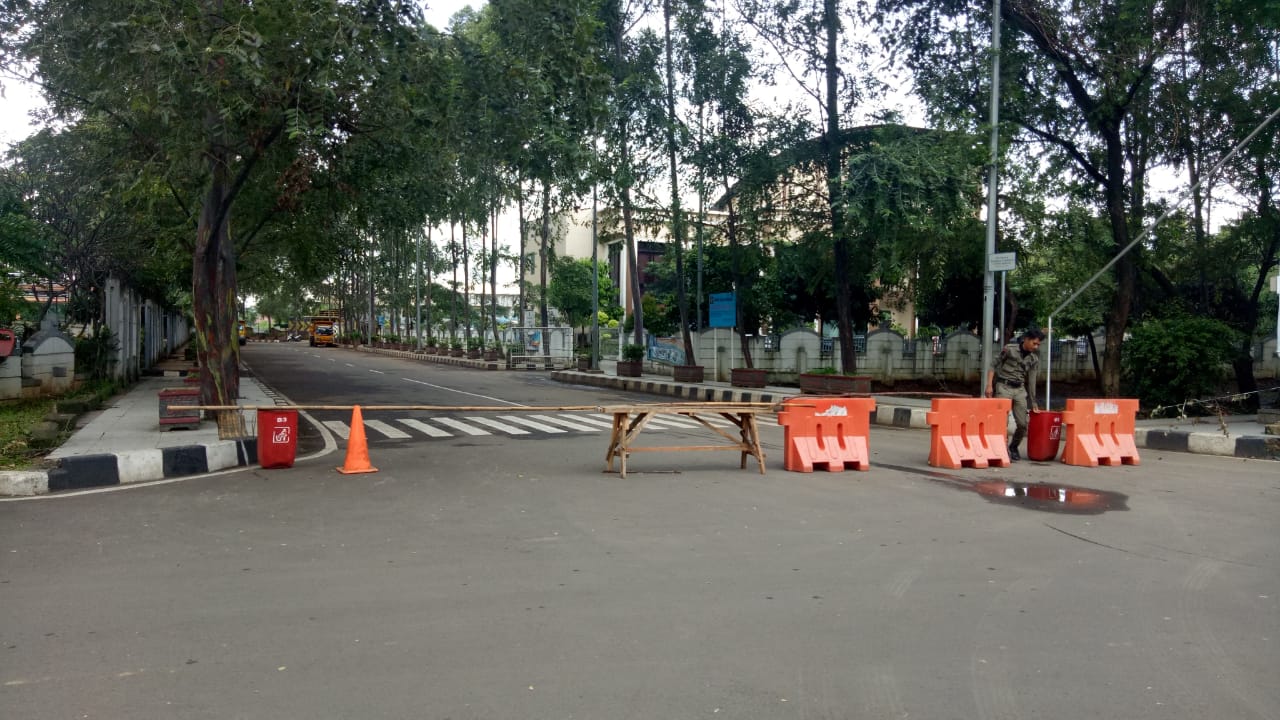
{"x":840,"y":250}
{"x":213,"y":271}
{"x":1125,"y":270}
{"x":677,"y":213}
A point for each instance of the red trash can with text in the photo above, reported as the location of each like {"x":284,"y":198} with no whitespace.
{"x":277,"y":438}
{"x":1044,"y":433}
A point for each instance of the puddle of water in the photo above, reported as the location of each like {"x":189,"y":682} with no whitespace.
{"x":1050,"y":498}
{"x":1043,"y":497}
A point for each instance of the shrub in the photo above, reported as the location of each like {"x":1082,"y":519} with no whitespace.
{"x":96,"y":354}
{"x":1165,"y":362}
{"x":632,"y":352}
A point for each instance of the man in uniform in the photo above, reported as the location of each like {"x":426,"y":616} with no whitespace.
{"x":1014,"y":376}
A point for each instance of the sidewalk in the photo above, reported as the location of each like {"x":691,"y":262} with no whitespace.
{"x":123,"y":443}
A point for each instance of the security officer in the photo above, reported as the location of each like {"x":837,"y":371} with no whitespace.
{"x":1014,"y":377}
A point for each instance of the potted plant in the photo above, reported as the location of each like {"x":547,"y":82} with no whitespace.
{"x":456,"y":349}
{"x":828,"y":381}
{"x":632,"y":361}
{"x":490,"y":352}
{"x":475,"y":346}
{"x":747,"y":377}
{"x":687,"y":373}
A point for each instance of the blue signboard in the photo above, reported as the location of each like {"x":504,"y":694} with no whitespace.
{"x":722,"y":310}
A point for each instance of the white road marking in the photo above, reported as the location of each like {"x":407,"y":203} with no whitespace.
{"x":566,"y":423}
{"x":512,"y":430}
{"x":456,"y":425}
{"x":385,"y":429}
{"x":424,"y":428}
{"x":463,"y":392}
{"x":339,"y":428}
{"x":376,"y":371}
{"x":520,"y":420}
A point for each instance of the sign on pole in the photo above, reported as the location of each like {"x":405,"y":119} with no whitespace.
{"x":722,"y":310}
{"x":1001,"y":262}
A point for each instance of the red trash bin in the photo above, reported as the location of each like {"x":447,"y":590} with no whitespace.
{"x":277,"y":438}
{"x":1044,"y":432}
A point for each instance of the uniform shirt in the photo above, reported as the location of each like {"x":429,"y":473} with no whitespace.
{"x":1016,"y":366}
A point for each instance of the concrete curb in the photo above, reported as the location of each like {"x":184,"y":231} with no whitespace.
{"x":89,"y":471}
{"x":902,"y":416}
{"x":1206,"y":443}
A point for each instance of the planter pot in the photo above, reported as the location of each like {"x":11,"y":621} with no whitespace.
{"x":747,"y":377}
{"x":822,"y":384}
{"x":630,"y":368}
{"x":490,"y":355}
{"x":687,"y":373}
{"x":473,"y":354}
{"x":457,"y":353}
{"x":584,"y":364}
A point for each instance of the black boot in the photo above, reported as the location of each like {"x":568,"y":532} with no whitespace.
{"x":1014,"y":455}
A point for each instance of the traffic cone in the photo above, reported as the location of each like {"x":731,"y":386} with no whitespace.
{"x":357,"y":449}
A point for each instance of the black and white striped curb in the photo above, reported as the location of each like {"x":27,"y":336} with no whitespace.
{"x":1209,"y":443}
{"x":133,"y":466}
{"x":885,"y":414}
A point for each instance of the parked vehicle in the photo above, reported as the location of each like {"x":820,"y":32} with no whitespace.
{"x":322,"y":328}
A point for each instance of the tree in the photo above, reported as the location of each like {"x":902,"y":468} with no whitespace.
{"x":219,"y":92}
{"x":1077,"y":78}
{"x":570,"y":290}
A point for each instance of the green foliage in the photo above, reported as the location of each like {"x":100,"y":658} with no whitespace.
{"x":95,"y":354}
{"x":633,"y":352}
{"x":1175,"y":359}
{"x":570,"y":290}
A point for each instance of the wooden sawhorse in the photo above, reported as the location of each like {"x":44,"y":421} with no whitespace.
{"x":629,"y":420}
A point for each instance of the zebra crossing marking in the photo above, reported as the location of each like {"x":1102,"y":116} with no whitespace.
{"x":339,"y":428}
{"x":424,"y":428}
{"x":459,"y":425}
{"x":509,"y":429}
{"x":520,"y":420}
{"x":507,"y":424}
{"x":391,"y":432}
{"x":571,"y":424}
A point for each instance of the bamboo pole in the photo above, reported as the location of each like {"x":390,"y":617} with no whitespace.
{"x":704,"y":407}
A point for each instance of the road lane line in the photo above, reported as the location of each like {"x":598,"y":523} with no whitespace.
{"x":457,"y":425}
{"x":377,"y":371}
{"x":464,"y":392}
{"x":510,"y":429}
{"x":530,"y":423}
{"x":424,"y":428}
{"x":385,"y":429}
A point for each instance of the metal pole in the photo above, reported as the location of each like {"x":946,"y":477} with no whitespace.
{"x":417,"y":289}
{"x":988,"y":277}
{"x":1003,"y":275}
{"x":595,"y":283}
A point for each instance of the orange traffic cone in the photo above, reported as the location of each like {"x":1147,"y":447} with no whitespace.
{"x":357,"y":449}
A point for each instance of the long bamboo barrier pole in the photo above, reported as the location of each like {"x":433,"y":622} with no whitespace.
{"x":708,"y":407}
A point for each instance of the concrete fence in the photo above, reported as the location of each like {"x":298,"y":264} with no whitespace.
{"x":44,"y":363}
{"x":887,"y":356}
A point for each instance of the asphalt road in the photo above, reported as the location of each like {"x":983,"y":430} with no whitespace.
{"x":498,"y":577}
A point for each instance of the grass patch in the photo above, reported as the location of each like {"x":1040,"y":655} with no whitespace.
{"x":18,"y":417}
{"x":16,"y":420}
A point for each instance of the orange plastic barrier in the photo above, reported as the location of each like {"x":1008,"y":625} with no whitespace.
{"x":826,"y":431}
{"x":357,"y":460}
{"x":968,"y":432}
{"x":1100,"y":432}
